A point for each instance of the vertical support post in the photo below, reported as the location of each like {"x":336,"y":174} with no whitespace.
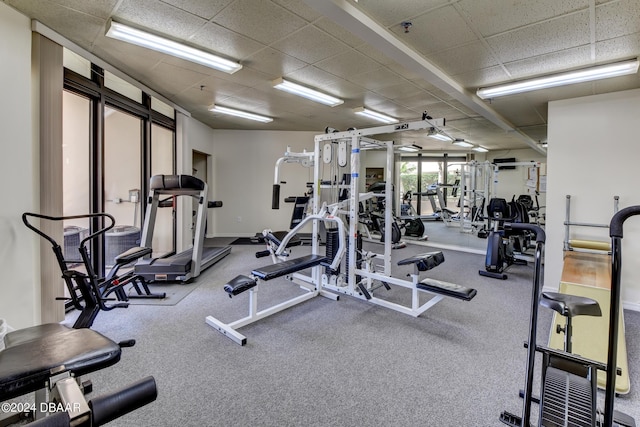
{"x":388,"y":211}
{"x":201,"y":222}
{"x":149,"y":219}
{"x":566,"y":223}
{"x":354,"y":201}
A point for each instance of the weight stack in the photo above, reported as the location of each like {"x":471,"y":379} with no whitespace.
{"x":332,"y":245}
{"x":358,"y":255}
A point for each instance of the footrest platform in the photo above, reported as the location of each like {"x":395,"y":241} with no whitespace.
{"x":447,"y":289}
{"x":239,"y":284}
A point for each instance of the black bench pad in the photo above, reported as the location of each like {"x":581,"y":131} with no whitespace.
{"x":289,"y":266}
{"x":447,"y":289}
{"x":277,"y":237}
{"x":26,"y":363}
{"x":239,"y":284}
{"x":570,"y":305}
{"x":425,"y":261}
{"x":132,"y":255}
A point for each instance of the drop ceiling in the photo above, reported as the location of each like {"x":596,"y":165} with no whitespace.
{"x":364,"y":52}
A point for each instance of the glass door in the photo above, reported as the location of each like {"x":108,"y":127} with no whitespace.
{"x":122,"y":178}
{"x":162,"y":163}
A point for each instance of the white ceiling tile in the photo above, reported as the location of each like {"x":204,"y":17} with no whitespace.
{"x":399,"y":90}
{"x":617,"y":19}
{"x":311,"y":45}
{"x":271,"y":61}
{"x":493,"y":17}
{"x":77,"y":25}
{"x":348,"y":64}
{"x":101,"y":9}
{"x":345,"y":89}
{"x":377,"y":79}
{"x":225,"y":42}
{"x":387,"y":12}
{"x":314,"y":77}
{"x":338,"y":32}
{"x":206,"y":9}
{"x":465,"y":58}
{"x":623,"y":47}
{"x":443,"y":28}
{"x":420,"y":100}
{"x":483,"y":77}
{"x":172,"y":79}
{"x":550,"y":63}
{"x":550,"y":36}
{"x":299,"y":8}
{"x":159,"y":17}
{"x":248,"y":17}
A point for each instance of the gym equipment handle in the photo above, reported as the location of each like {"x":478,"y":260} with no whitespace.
{"x":111,"y":406}
{"x":275,"y":197}
{"x":539,"y":232}
{"x":264,"y":253}
{"x":57,"y":419}
{"x":615,"y":228}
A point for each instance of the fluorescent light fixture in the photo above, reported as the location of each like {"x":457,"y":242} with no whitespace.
{"x":375,"y":115}
{"x":571,"y":77}
{"x":132,"y":35}
{"x":238,"y":113}
{"x":462,"y":143}
{"x":480,"y":149}
{"x":306,"y":92}
{"x":440,"y":137}
{"x":413,"y":148}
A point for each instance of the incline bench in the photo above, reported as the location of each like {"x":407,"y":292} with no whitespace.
{"x":244,"y":283}
{"x":53,"y":356}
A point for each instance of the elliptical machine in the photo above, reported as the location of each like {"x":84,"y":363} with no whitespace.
{"x":500,"y":249}
{"x":568,"y":385}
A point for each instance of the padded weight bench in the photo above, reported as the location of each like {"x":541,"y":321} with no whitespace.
{"x":420,"y":262}
{"x":243,"y":283}
{"x":429,"y":260}
{"x":51,"y":355}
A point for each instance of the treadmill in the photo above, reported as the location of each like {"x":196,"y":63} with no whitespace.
{"x":188,"y":264}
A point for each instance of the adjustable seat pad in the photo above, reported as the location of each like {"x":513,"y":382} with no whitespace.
{"x":570,"y":305}
{"x":31,"y":354}
{"x":447,"y":289}
{"x":132,"y":254}
{"x":425,"y":261}
{"x":289,"y":266}
{"x":239,"y":284}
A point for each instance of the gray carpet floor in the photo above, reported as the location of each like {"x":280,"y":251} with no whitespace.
{"x":336,"y":363}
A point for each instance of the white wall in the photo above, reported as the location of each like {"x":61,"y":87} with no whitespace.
{"x":245,"y":163}
{"x":19,"y":247}
{"x":594,"y":147}
{"x":512,"y":182}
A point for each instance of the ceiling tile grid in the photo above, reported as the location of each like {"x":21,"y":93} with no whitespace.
{"x":159,"y":17}
{"x":261,"y":21}
{"x":206,"y":9}
{"x":549,"y":36}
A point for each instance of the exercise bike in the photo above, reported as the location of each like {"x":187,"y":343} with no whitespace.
{"x":502,"y":245}
{"x":568,"y":386}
